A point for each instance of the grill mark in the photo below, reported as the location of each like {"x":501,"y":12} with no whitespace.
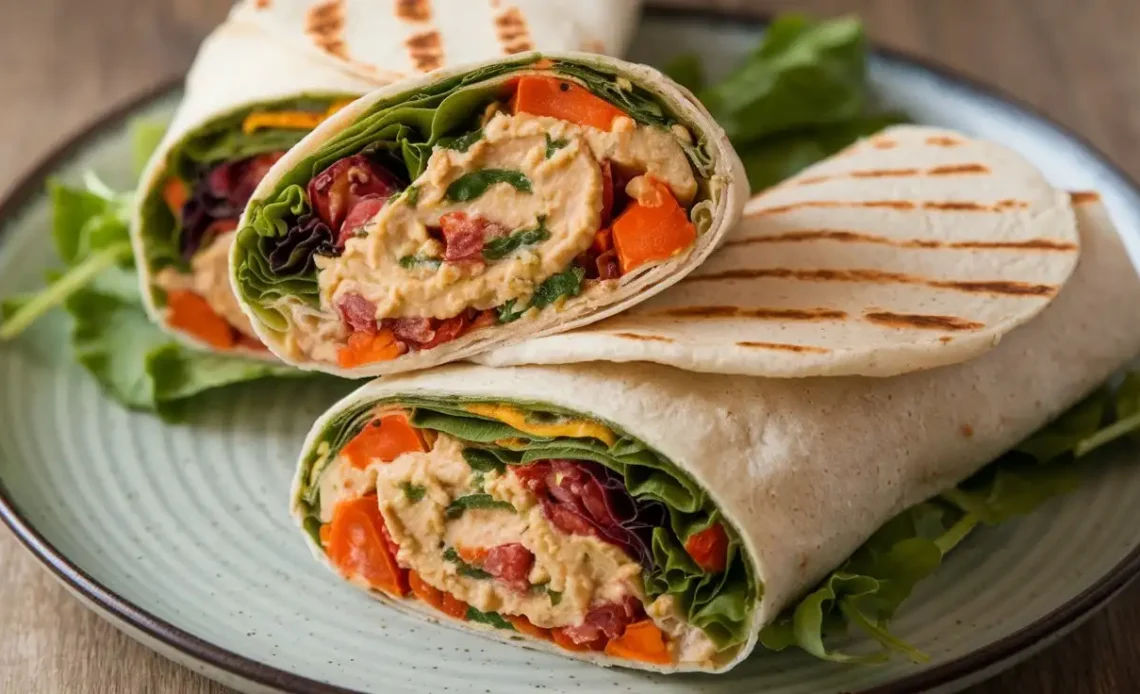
{"x":804,"y":314}
{"x":957,"y":169}
{"x":952,"y":169}
{"x":513,"y":32}
{"x":945,"y":339}
{"x":883,"y":143}
{"x":1082,"y":197}
{"x":414,"y":10}
{"x":426,"y":50}
{"x":944,"y":141}
{"x":860,"y":237}
{"x":901,"y":205}
{"x":646,"y":338}
{"x":921,"y":321}
{"x":878,"y":277}
{"x":324,"y":25}
{"x":784,"y":347}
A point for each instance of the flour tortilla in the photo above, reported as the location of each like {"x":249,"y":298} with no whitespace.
{"x":913,"y":249}
{"x":728,"y":189}
{"x":793,"y":464}
{"x":274,"y":50}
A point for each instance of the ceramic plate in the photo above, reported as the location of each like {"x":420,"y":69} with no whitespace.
{"x":180,"y":536}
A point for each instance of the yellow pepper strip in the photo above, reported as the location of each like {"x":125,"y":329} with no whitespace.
{"x":572,"y":428}
{"x":288,"y":120}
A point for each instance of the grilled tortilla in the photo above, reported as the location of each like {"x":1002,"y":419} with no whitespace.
{"x":913,"y":249}
{"x":470,"y":495}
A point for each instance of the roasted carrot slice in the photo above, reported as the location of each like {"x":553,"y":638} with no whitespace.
{"x":642,"y":641}
{"x":424,"y":591}
{"x":473,"y":555}
{"x":356,"y":546}
{"x":326,"y":533}
{"x":174,"y":192}
{"x":384,"y":440}
{"x":652,"y":229}
{"x":363,"y":348}
{"x":524,"y":626}
{"x":709,"y":548}
{"x":190,"y":313}
{"x":540,"y":95}
{"x":453,"y":606}
{"x":603,"y":241}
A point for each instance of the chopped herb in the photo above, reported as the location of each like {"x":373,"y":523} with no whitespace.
{"x":567,"y":284}
{"x":475,"y":501}
{"x":497,"y":249}
{"x":462,"y":567}
{"x":554,"y":595}
{"x":413,"y":195}
{"x":507,"y":312}
{"x":493,"y":619}
{"x":463,"y":142}
{"x":553,"y":146}
{"x":483,"y":461}
{"x":414,"y":492}
{"x":471,"y":186}
{"x":410,"y":262}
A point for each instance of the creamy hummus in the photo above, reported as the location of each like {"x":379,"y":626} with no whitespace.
{"x":209,"y":279}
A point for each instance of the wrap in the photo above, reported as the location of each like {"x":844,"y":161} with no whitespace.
{"x":477,"y":206}
{"x":263,"y":80}
{"x":648,"y":517}
{"x":916,"y":248}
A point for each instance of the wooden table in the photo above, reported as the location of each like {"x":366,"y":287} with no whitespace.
{"x":67,"y":61}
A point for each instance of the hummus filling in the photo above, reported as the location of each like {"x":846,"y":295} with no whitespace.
{"x":209,"y":279}
{"x":570,"y":575}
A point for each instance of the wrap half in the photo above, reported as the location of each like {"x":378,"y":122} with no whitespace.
{"x":642,"y":516}
{"x":261,"y":82}
{"x":916,"y":248}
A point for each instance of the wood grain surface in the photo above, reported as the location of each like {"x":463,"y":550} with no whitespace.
{"x":67,"y":61}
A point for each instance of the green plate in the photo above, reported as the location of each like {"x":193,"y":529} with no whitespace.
{"x":180,"y":536}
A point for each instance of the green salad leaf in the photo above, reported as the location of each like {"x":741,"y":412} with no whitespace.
{"x":493,"y":619}
{"x":867,"y":590}
{"x":475,"y":184}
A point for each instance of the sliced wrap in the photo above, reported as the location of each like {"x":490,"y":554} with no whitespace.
{"x":643,"y":516}
{"x":915,"y":248}
{"x":260,"y":83}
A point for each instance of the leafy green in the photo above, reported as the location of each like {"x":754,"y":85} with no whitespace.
{"x":867,"y":590}
{"x":413,"y":195}
{"x":410,"y":262}
{"x":507,"y":312}
{"x":555,"y":597}
{"x":473,"y":185}
{"x":463,"y":142}
{"x":475,"y":501}
{"x":553,"y":146}
{"x":567,"y":283}
{"x":483,"y":461}
{"x":146,"y":134}
{"x":462,"y":567}
{"x":414,"y":492}
{"x":493,"y":619}
{"x":497,"y":249}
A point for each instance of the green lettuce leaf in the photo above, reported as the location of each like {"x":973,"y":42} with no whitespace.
{"x":867,"y":590}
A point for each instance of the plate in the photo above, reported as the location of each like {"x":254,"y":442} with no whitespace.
{"x":180,"y":536}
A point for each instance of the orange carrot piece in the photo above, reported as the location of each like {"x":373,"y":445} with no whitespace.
{"x":357,"y":547}
{"x":709,"y":548}
{"x":383,"y":439}
{"x":453,"y":606}
{"x":473,"y":555}
{"x":603,"y":241}
{"x":190,"y":313}
{"x":363,"y":348}
{"x":326,"y":533}
{"x":646,"y":233}
{"x":540,"y":95}
{"x":642,"y":641}
{"x":425,"y":591}
{"x":174,"y":192}
{"x":525,"y":626}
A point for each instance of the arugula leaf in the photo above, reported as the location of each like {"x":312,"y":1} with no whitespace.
{"x":463,"y":142}
{"x":471,"y":186}
{"x":507,"y":312}
{"x":553,"y":146}
{"x":462,"y":567}
{"x":490,"y":618}
{"x":475,"y":501}
{"x":497,"y":249}
{"x":565,"y":284}
{"x":414,"y":492}
{"x":410,"y":262}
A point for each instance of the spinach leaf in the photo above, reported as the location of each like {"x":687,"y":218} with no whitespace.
{"x":475,"y":501}
{"x":462,"y":567}
{"x":471,"y":186}
{"x":565,"y":284}
{"x":497,"y":249}
{"x":553,"y":146}
{"x":489,"y":618}
{"x":507,"y":312}
{"x":410,"y":262}
{"x":414,"y":492}
{"x":484,"y":461}
{"x":463,"y":142}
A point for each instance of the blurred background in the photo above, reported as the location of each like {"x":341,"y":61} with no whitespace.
{"x":66,"y":62}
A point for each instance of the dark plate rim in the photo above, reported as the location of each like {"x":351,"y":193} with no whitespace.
{"x":31,"y":182}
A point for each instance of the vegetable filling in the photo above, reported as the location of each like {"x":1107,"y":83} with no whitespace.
{"x":190,"y":217}
{"x":439,"y":215}
{"x":528,"y":521}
